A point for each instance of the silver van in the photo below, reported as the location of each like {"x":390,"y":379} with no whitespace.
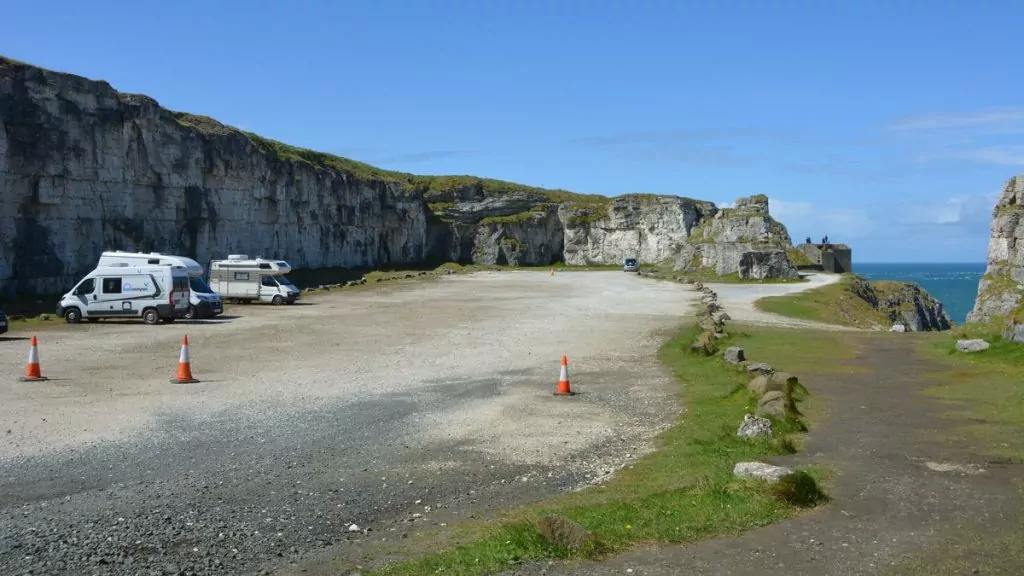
{"x":153,"y":293}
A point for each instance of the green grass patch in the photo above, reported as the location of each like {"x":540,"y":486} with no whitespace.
{"x":996,"y":284}
{"x":832,"y":304}
{"x":534,"y":213}
{"x":683,"y":492}
{"x":983,"y":389}
{"x":797,"y":257}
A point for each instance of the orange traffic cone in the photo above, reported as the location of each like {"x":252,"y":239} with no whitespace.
{"x":563,"y":381}
{"x":184,"y":365}
{"x":32,"y":371}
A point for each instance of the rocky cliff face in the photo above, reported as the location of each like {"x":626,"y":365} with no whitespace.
{"x":903,"y":303}
{"x":1002,"y":287}
{"x":84,"y":168}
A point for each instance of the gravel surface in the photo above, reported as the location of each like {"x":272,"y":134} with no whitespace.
{"x":362,"y":406}
{"x":738,"y":300}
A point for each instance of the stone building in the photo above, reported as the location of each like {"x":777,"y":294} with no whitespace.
{"x":834,"y":258}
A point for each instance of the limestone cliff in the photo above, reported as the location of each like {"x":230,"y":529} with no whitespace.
{"x":84,"y":168}
{"x":903,"y":303}
{"x":1002,"y":287}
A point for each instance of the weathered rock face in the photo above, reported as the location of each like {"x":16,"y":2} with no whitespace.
{"x":904,"y":303}
{"x":1002,"y":287}
{"x":651,"y":228}
{"x":763,"y":264}
{"x":84,"y":168}
{"x":721,"y":242}
{"x":1014,"y":331}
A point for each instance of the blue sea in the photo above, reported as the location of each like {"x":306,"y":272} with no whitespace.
{"x":955,"y":285}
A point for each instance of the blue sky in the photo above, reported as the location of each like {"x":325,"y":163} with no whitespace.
{"x":888,"y":125}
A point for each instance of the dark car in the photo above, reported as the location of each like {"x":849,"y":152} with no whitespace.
{"x":3,"y":322}
{"x":631,"y":265}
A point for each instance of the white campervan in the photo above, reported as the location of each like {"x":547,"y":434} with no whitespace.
{"x":153,"y":293}
{"x":203,"y":302}
{"x":247,"y":280}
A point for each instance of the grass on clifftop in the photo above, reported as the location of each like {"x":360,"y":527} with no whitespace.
{"x":984,"y":389}
{"x":683,"y":492}
{"x":797,"y":257}
{"x":832,"y":304}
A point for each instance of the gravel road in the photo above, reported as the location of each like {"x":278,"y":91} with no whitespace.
{"x":362,"y":406}
{"x":738,"y":300}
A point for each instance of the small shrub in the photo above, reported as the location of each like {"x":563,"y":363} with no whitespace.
{"x":784,"y":445}
{"x":799,"y":489}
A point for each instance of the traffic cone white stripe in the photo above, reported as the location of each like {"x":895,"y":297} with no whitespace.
{"x":564,"y":377}
{"x":33,"y":355}
{"x":183,"y":356}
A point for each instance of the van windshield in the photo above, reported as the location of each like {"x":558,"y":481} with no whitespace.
{"x":284,"y":281}
{"x":199,"y":286}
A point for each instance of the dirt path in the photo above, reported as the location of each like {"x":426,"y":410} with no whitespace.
{"x":898,"y":508}
{"x":738,"y":300}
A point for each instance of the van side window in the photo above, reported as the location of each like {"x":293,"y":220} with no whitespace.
{"x":111,"y":285}
{"x":268,"y":281}
{"x":86,"y":287}
{"x":264,"y":266}
{"x":241,"y":275}
{"x":153,"y":261}
{"x":179,"y":283}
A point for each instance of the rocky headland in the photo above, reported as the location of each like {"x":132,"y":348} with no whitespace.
{"x":1001,"y":290}
{"x":85,"y":168}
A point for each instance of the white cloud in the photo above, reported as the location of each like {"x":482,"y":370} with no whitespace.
{"x":804,"y":219}
{"x":978,"y":119}
{"x":955,"y":217}
{"x":1010,"y":155}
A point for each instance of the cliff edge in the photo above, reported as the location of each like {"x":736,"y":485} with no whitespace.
{"x":859,"y":303}
{"x":1001,"y":289}
{"x":85,"y":168}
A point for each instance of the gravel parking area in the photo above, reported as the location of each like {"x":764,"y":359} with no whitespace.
{"x":363,"y":406}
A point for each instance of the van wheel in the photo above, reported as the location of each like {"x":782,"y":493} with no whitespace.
{"x":278,"y":300}
{"x":72,"y":316}
{"x":191,"y":314}
{"x":150,"y":316}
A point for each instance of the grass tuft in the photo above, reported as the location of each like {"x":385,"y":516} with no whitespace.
{"x":799,"y":489}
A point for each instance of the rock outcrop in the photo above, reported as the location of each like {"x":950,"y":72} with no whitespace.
{"x":903,"y":303}
{"x":84,"y":168}
{"x":1001,"y":289}
{"x":762,"y":264}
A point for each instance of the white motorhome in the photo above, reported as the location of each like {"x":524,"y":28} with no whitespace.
{"x":203,"y":301}
{"x":253,"y":280}
{"x":153,"y":293}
